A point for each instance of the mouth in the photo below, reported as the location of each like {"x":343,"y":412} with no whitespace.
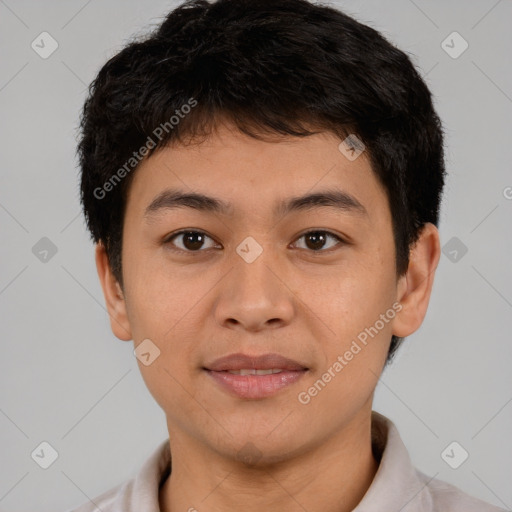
{"x":255,"y":377}
{"x":252,"y":371}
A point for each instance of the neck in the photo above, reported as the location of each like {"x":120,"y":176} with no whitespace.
{"x":332,"y":477}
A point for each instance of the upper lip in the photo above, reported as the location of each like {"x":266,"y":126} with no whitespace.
{"x":263,"y":362}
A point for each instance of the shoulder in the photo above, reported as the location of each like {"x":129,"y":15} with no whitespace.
{"x":448,"y":498}
{"x":113,"y":500}
{"x":138,"y":494}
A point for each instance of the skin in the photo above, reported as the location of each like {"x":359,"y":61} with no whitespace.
{"x":304,"y":304}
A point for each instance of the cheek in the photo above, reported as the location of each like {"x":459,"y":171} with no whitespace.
{"x":170,"y":387}
{"x":355,"y":301}
{"x":353,"y":357}
{"x":164,"y":310}
{"x":159,"y":296}
{"x":358,"y":308}
{"x":169,"y":378}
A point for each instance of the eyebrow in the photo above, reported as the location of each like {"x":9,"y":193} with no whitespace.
{"x":333,"y":198}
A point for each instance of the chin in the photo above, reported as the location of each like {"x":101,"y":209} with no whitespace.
{"x":258,"y":445}
{"x":259,"y":454}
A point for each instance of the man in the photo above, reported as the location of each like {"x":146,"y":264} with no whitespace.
{"x":262,"y":179}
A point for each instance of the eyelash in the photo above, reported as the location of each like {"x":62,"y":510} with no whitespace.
{"x":168,"y":240}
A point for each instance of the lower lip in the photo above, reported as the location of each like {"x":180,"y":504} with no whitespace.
{"x":256,"y":386}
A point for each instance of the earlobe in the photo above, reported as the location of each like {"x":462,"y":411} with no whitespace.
{"x":415,"y":287}
{"x":114,"y":297}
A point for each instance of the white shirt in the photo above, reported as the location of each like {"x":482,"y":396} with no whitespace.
{"x":396,"y":487}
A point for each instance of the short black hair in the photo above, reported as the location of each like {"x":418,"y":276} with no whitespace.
{"x":271,"y":67}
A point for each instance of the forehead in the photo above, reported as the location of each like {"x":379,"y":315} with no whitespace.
{"x":245,"y":173}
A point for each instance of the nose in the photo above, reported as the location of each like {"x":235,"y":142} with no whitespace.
{"x":255,"y":296}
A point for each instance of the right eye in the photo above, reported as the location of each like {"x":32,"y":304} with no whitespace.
{"x":191,"y":241}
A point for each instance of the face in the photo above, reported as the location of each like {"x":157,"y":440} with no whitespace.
{"x":287,"y":262}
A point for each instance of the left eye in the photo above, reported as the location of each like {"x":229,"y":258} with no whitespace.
{"x":317,"y":240}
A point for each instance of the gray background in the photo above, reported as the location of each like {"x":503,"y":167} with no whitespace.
{"x":67,"y":380}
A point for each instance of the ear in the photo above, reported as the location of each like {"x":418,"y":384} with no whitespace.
{"x":114,"y":297}
{"x":415,"y":286}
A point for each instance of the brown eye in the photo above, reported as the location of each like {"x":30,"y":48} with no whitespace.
{"x":317,"y":240}
{"x":191,"y":241}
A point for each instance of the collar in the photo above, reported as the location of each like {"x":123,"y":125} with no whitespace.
{"x":396,"y":487}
